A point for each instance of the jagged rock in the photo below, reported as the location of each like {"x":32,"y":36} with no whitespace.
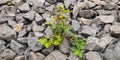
{"x":17,"y":47}
{"x":8,"y":54}
{"x":93,"y":56}
{"x":106,"y":19}
{"x":48,"y":50}
{"x":4,"y":1}
{"x":29,"y":15}
{"x":24,"y":7}
{"x":75,"y":25}
{"x":19,"y":58}
{"x":48,"y":31}
{"x":7,"y":33}
{"x":56,"y":55}
{"x":33,"y":44}
{"x":72,"y":57}
{"x":2,"y":46}
{"x":22,"y":40}
{"x":22,"y":32}
{"x":64,"y":46}
{"x":18,"y":27}
{"x":36,"y":56}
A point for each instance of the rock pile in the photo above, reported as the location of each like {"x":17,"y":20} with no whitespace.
{"x":22,"y":23}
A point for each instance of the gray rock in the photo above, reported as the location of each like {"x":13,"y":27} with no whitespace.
{"x":10,"y":10}
{"x":8,"y":54}
{"x":46,"y":15}
{"x":48,"y":50}
{"x":4,"y":1}
{"x":3,"y":20}
{"x":93,"y":56}
{"x":115,"y":29}
{"x":67,"y":3}
{"x":72,"y":57}
{"x":19,"y":58}
{"x":92,"y":47}
{"x":22,"y":33}
{"x":87,"y":14}
{"x":75,"y":25}
{"x":2,"y":46}
{"x":51,"y":1}
{"x":38,"y":17}
{"x":106,"y":19}
{"x":110,"y":6}
{"x":36,"y":27}
{"x":24,"y":7}
{"x":48,"y":31}
{"x":116,"y":52}
{"x":77,"y":7}
{"x":50,"y":8}
{"x":92,"y":40}
{"x":36,"y":56}
{"x":11,"y":23}
{"x":17,"y":47}
{"x":29,"y":15}
{"x":64,"y":46}
{"x":17,"y":2}
{"x":88,"y":31}
{"x":33,"y":44}
{"x":104,"y":41}
{"x":103,"y":12}
{"x":38,"y":34}
{"x":4,"y":30}
{"x":56,"y":55}
{"x":90,"y":4}
{"x":19,"y":18}
{"x":22,"y":40}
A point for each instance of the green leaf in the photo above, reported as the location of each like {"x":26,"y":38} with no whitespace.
{"x":80,"y":55}
{"x":47,"y":23}
{"x":42,"y":41}
{"x":76,"y":52}
{"x":56,"y":42}
{"x":66,"y":11}
{"x":47,"y":45}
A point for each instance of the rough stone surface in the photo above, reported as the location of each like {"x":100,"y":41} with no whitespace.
{"x":8,"y":54}
{"x":93,"y":56}
{"x":36,"y":56}
{"x":24,"y":7}
{"x":56,"y":55}
{"x":75,"y":25}
{"x":107,"y":19}
{"x":4,"y":30}
{"x":64,"y":46}
{"x":17,"y":47}
{"x":33,"y":44}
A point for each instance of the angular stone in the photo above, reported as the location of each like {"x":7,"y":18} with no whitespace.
{"x":48,"y":50}
{"x":87,"y":14}
{"x":106,"y":19}
{"x":104,"y":41}
{"x":92,"y":47}
{"x":2,"y":46}
{"x":73,"y":57}
{"x":84,"y":21}
{"x":51,"y":1}
{"x":75,"y":25}
{"x":36,"y":27}
{"x":48,"y":31}
{"x":22,"y":40}
{"x":17,"y":47}
{"x":56,"y":55}
{"x":110,"y":6}
{"x":38,"y":17}
{"x":92,"y":40}
{"x":90,"y":4}
{"x":114,"y":29}
{"x":77,"y":7}
{"x":33,"y":44}
{"x":19,"y":58}
{"x":64,"y":46}
{"x":93,"y":56}
{"x":7,"y":33}
{"x":22,"y":33}
{"x":88,"y":31}
{"x":96,"y":1}
{"x":24,"y":7}
{"x":38,"y":34}
{"x":11,"y":23}
{"x":36,"y":56}
{"x":17,"y":2}
{"x":8,"y":54}
{"x":29,"y":15}
{"x":11,"y":10}
{"x":50,"y":8}
{"x":4,"y":1}
{"x":103,"y":12}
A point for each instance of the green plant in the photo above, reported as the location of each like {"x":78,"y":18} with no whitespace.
{"x":9,"y":3}
{"x":59,"y":28}
{"x":62,"y":30}
{"x":78,"y":46}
